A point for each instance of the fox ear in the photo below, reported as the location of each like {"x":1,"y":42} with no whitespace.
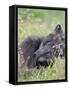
{"x":58,"y":26}
{"x":58,"y":29}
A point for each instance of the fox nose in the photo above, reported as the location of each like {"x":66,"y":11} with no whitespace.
{"x":36,"y":54}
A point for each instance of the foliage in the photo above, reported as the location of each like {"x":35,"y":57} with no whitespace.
{"x":50,"y":73}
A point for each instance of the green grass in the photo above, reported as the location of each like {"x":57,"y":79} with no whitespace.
{"x":32,"y":22}
{"x":38,"y":22}
{"x":49,"y":73}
